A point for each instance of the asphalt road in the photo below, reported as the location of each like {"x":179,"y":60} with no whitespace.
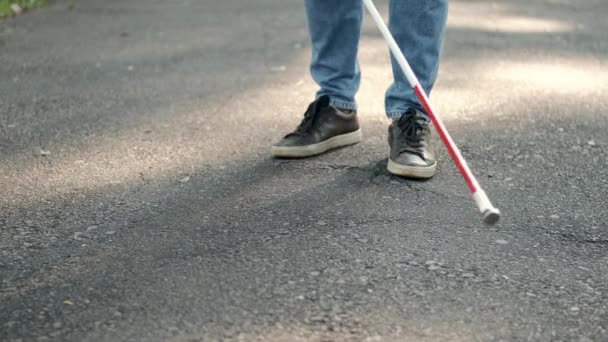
{"x":139,"y":202}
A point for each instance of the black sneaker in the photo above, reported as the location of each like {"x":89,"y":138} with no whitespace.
{"x":409,"y":139}
{"x":324,"y":127}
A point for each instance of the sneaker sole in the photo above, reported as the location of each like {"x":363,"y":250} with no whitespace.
{"x":318,"y":148}
{"x":424,"y":172}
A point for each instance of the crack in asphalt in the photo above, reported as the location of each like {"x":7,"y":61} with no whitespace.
{"x":572,"y":237}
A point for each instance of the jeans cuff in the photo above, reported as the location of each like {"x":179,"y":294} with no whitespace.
{"x":398,"y":114}
{"x":394,"y":115}
{"x":343,"y":104}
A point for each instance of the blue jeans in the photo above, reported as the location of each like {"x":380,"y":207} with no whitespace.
{"x":335,"y":28}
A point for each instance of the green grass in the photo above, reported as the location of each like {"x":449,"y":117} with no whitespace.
{"x":5,"y":6}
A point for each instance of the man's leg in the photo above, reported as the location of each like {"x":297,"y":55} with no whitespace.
{"x":330,"y":121}
{"x":335,"y":28}
{"x":418,"y":27}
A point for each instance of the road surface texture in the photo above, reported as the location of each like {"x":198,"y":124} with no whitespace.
{"x":139,"y":202}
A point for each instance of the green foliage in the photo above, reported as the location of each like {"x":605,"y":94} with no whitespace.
{"x":5,"y":6}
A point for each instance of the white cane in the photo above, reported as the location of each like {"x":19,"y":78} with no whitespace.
{"x":490,"y":214}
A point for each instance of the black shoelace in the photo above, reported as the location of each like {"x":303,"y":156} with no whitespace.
{"x":412,"y":128}
{"x":309,"y":118}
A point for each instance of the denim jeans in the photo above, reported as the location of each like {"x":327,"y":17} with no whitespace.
{"x":335,"y":28}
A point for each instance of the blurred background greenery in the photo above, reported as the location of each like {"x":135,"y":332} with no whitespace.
{"x":12,"y":7}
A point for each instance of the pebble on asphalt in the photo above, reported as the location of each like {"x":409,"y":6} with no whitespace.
{"x":279,"y":68}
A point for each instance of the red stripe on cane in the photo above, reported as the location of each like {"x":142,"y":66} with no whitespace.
{"x":460,"y":164}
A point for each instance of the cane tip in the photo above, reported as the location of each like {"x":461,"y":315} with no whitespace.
{"x":491,"y":216}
